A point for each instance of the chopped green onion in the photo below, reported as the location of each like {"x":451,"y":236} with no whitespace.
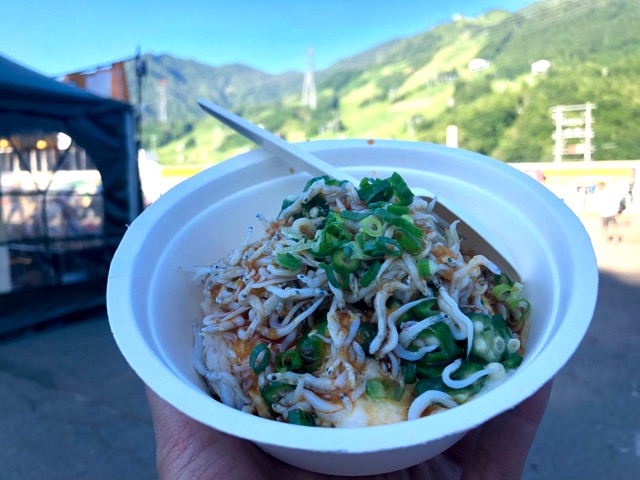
{"x":357,"y":216}
{"x":319,"y":203}
{"x":502,"y":278}
{"x":332,"y":182}
{"x":371,"y":274}
{"x":371,"y":226}
{"x":354,"y":250}
{"x":397,"y":221}
{"x":310,"y":353}
{"x":501,"y":291}
{"x":259,"y":365}
{"x":289,"y":261}
{"x":288,"y":361}
{"x":299,"y":247}
{"x":398,"y":209}
{"x":339,"y":281}
{"x":375,"y":190}
{"x":300,"y":417}
{"x":401,"y":189}
{"x":427,"y":267}
{"x":382,"y":247}
{"x":516,"y":303}
{"x":519,"y":313}
{"x":409,"y":243}
{"x":292,"y":233}
{"x":332,"y":236}
{"x":311,"y":350}
{"x":515,"y":296}
{"x":344,"y":263}
{"x":374,"y":205}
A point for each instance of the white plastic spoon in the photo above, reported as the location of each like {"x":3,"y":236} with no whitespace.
{"x":483,"y":239}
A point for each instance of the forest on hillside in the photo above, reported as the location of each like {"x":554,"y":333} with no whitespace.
{"x":414,"y":88}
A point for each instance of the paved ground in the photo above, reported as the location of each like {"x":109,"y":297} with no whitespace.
{"x":591,"y":429}
{"x":72,"y":409}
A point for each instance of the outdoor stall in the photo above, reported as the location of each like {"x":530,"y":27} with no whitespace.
{"x":69,"y":187}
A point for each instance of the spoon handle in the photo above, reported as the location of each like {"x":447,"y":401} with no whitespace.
{"x":305,"y":161}
{"x":291,"y":153}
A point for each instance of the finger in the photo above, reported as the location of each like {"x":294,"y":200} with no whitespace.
{"x":187,"y":449}
{"x":503,"y":443}
{"x":459,"y":452}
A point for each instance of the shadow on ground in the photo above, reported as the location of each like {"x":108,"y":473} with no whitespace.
{"x":591,"y":429}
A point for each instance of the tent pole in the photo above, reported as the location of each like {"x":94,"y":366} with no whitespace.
{"x":141,"y":71}
{"x":133,"y":182}
{"x":5,"y":260}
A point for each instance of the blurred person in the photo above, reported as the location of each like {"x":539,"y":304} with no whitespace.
{"x":186,"y":449}
{"x":13,"y":201}
{"x":608,"y":204}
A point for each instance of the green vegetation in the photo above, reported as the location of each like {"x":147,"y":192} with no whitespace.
{"x":414,"y":88}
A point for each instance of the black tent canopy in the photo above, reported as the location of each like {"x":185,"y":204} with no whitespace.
{"x":104,"y":128}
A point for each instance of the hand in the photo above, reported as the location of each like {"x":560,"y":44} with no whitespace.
{"x":189,"y":450}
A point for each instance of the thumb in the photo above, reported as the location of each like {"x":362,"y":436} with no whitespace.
{"x":503,"y":443}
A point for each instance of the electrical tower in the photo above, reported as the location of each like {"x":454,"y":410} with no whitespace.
{"x":162,"y":100}
{"x":574,"y":131}
{"x":309,"y":84}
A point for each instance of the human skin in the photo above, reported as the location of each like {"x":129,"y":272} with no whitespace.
{"x":187,"y":449}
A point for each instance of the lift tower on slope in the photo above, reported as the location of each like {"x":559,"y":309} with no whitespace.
{"x":162,"y":100}
{"x":309,"y":84}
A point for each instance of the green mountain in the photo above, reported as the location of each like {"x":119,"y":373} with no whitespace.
{"x":187,"y":80}
{"x":412,"y":88}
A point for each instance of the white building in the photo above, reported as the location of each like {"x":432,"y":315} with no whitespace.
{"x":540,"y":67}
{"x":478,"y":65}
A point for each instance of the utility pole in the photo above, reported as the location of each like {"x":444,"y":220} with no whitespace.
{"x":452,"y":136}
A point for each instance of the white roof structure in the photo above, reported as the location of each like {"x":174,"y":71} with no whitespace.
{"x":478,"y":64}
{"x":540,"y":67}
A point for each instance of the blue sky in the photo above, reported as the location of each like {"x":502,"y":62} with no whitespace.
{"x":55,"y":37}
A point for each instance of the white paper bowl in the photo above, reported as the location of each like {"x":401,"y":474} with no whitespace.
{"x":153,"y":304}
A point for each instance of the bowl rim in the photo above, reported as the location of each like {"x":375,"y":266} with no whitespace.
{"x":160,"y":378}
